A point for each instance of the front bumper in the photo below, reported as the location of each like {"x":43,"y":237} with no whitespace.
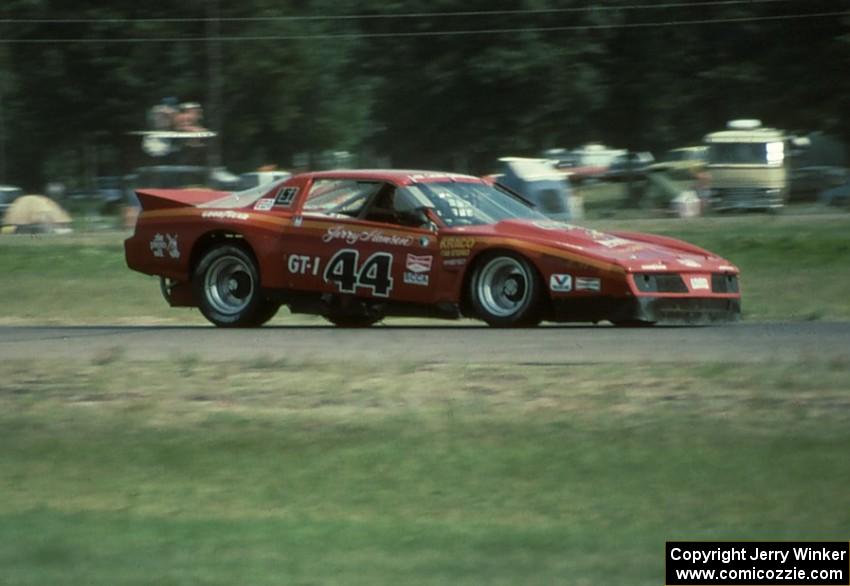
{"x":661,"y":310}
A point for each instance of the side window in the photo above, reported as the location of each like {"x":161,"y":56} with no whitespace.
{"x":405,"y":202}
{"x":340,"y":196}
{"x":392,"y":206}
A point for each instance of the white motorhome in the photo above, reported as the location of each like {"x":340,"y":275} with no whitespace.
{"x":747,"y":166}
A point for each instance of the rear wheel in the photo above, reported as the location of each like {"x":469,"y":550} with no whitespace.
{"x":505,"y":291}
{"x":226,"y":284}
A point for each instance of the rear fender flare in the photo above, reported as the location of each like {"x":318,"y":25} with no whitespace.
{"x":213,"y":238}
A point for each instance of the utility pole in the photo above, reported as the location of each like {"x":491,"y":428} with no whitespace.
{"x":214,"y":62}
{"x":2,"y":124}
{"x":2,"y":137}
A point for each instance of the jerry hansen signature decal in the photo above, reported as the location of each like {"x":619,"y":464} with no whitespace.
{"x":354,"y":236}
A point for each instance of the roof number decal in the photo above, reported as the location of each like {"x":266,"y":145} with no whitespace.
{"x":285,"y":196}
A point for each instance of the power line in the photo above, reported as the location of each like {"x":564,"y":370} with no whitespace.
{"x":411,"y":34}
{"x":407,"y":15}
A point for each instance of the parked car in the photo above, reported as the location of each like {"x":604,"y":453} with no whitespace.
{"x":563,"y":160}
{"x":690,"y":154}
{"x":356,"y":246}
{"x":8,"y":194}
{"x":629,"y":164}
{"x":589,"y":162}
{"x":837,"y":196}
{"x":807,"y":183}
{"x":184,"y":176}
{"x":682,"y":163}
{"x":538,"y":182}
{"x":255,"y":178}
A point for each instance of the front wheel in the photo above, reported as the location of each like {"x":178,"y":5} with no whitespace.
{"x":505,"y":291}
{"x":226,"y":284}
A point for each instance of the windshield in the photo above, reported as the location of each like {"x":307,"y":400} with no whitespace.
{"x":470,"y":204}
{"x":746,"y":153}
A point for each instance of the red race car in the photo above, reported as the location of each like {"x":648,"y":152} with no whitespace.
{"x":356,"y":246}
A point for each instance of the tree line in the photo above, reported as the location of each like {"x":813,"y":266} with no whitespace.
{"x":413,"y":83}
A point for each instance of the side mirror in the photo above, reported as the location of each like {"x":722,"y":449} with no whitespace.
{"x":418,"y":217}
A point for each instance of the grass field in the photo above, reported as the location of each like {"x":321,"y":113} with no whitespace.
{"x":186,"y":472}
{"x":794,"y":267}
{"x":263,"y":472}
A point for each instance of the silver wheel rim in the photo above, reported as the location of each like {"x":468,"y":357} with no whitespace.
{"x":503,"y":286}
{"x":228,"y":285}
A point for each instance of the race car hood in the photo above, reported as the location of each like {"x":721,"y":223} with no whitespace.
{"x":635,"y":252}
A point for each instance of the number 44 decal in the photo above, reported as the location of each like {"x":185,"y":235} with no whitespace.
{"x":373,"y":274}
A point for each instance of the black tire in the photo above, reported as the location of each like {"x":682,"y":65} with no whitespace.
{"x":266,"y":311}
{"x":506,"y":291}
{"x":226,"y":285}
{"x":352,"y":321}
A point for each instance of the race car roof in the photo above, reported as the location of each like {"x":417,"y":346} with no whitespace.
{"x":398,"y":176}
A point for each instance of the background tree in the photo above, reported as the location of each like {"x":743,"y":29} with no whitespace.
{"x":443,"y":83}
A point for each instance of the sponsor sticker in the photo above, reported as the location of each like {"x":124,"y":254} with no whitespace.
{"x":454,"y":262}
{"x":700,"y":283}
{"x":552,"y":225}
{"x":419,"y":264}
{"x":161,"y":245}
{"x":285,"y":195}
{"x":264,"y":205}
{"x":416,"y":278}
{"x":456,"y":245}
{"x":416,"y":177}
{"x":689,"y":262}
{"x":614,"y":242}
{"x":418,"y":269}
{"x":588,"y":284}
{"x":608,"y":240}
{"x":561,"y":283}
{"x":225,"y":215}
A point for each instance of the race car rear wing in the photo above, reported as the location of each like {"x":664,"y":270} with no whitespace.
{"x":157,"y":199}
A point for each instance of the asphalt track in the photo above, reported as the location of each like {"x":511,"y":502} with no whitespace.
{"x":745,"y":342}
